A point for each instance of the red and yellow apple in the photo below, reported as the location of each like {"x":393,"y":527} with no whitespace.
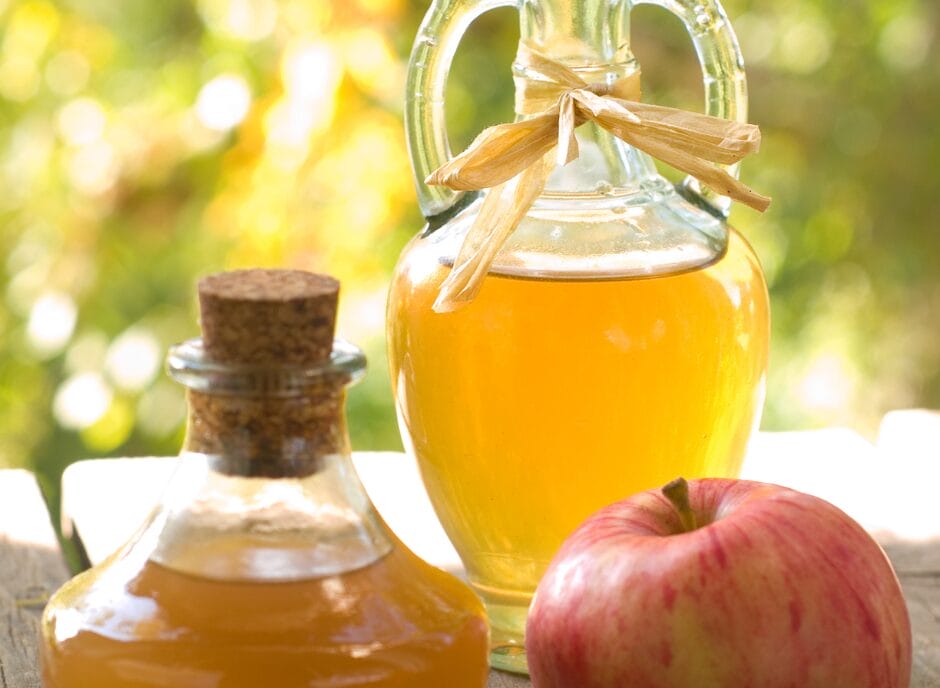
{"x":720,"y":584}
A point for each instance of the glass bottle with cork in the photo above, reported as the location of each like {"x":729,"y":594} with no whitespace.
{"x":600,"y":331}
{"x":265,"y":563}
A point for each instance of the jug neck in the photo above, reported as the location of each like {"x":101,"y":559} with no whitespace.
{"x":592,"y":37}
{"x":582,"y":34}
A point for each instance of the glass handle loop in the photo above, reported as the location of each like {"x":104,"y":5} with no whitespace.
{"x":722,"y":71}
{"x":425,"y":121}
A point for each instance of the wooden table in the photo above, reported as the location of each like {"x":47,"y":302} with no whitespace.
{"x":105,"y":500}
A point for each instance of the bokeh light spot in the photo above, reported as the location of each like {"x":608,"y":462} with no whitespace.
{"x":372,"y":63}
{"x":19,"y":78}
{"x":827,"y":385}
{"x":67,"y":73}
{"x":381,"y":7}
{"x":805,"y":45}
{"x":301,"y":17}
{"x":133,"y":359}
{"x":248,"y":20}
{"x":87,"y":353}
{"x":757,"y":34}
{"x":94,"y":168}
{"x":311,"y":72}
{"x":31,"y":28}
{"x":160,"y":410}
{"x":905,"y":42}
{"x":51,"y":322}
{"x":111,"y":429}
{"x":81,"y":400}
{"x":82,"y":121}
{"x":288,"y":126}
{"x":223,"y":102}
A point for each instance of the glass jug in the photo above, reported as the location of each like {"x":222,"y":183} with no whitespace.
{"x":620,"y":336}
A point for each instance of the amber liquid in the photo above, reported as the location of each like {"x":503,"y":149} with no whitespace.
{"x":397,"y":623}
{"x":544,"y":400}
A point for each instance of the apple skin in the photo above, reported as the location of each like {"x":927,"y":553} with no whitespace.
{"x":774,"y":589}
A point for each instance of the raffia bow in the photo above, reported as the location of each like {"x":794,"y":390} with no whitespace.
{"x":514,"y":160}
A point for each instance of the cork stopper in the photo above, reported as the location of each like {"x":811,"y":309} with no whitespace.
{"x":269,"y":319}
{"x":265,"y":317}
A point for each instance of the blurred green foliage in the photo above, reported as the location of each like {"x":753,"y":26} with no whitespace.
{"x":146,"y":143}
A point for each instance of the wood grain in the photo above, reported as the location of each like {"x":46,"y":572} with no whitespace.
{"x":501,"y":679}
{"x":31,"y":568}
{"x":914,"y":559}
{"x":918,"y":568}
{"x":923,"y":602}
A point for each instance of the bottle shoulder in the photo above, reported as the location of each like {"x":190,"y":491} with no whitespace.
{"x":649,"y":232}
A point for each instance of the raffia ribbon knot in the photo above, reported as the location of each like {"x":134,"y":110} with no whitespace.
{"x":514,"y":160}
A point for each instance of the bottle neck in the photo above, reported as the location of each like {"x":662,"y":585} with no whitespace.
{"x":268,"y":436}
{"x":592,"y":37}
{"x":265,"y":488}
{"x":265,"y":421}
{"x":579,"y":33}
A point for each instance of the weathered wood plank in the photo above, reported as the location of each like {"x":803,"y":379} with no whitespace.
{"x":914,"y":558}
{"x":501,"y":679}
{"x":918,"y":567}
{"x":31,"y":568}
{"x":923,"y":602}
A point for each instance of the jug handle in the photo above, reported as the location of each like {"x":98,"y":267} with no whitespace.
{"x":722,"y":71}
{"x":425,"y":123}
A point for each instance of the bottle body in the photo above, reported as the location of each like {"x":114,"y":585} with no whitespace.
{"x":552,"y":395}
{"x":396,"y":622}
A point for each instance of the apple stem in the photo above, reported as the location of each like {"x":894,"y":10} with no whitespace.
{"x":677,"y":492}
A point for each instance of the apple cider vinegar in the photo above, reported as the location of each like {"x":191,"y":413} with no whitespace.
{"x":366,"y":628}
{"x":543,"y":400}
